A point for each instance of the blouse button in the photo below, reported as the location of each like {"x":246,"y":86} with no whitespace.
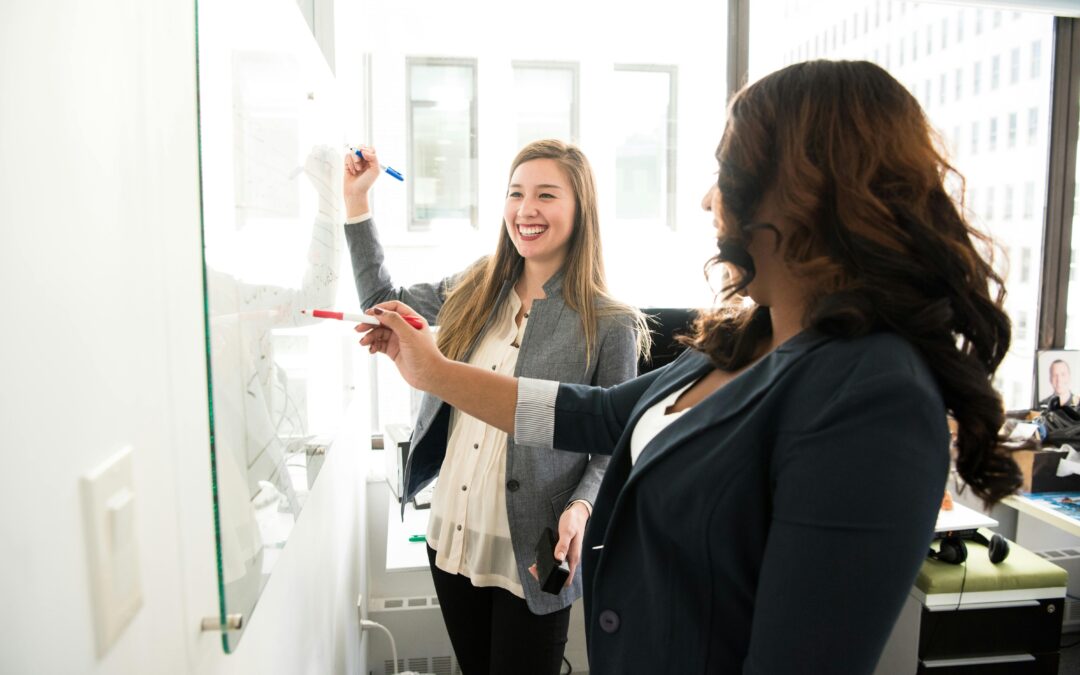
{"x":526,"y":315}
{"x":512,"y":485}
{"x":493,"y":367}
{"x":463,"y":488}
{"x":476,"y":446}
{"x":459,"y":528}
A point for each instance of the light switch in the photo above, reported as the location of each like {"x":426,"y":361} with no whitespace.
{"x":109,"y":512}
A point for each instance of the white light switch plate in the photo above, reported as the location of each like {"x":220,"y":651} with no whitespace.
{"x":109,"y":511}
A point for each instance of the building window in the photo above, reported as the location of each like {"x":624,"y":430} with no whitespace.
{"x":929,"y":40}
{"x":1025,"y":265}
{"x":997,"y":18}
{"x":941,"y":92}
{"x":959,"y":83}
{"x":990,"y":203}
{"x":1021,"y":325}
{"x":900,"y":53}
{"x":976,"y":78}
{"x":960,"y":26}
{"x":914,"y":46}
{"x":1012,"y":130}
{"x":1007,"y":207}
{"x":1014,"y":67}
{"x":978,"y":21}
{"x":995,"y":71}
{"x":546,"y":98}
{"x":974,"y":138}
{"x":1033,"y":125}
{"x":992,"y":143}
{"x":944,"y":33}
{"x":645,"y":145}
{"x":1036,"y":59}
{"x":1029,"y":199}
{"x":442,"y":189}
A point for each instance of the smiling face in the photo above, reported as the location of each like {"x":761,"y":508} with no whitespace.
{"x":539,"y":211}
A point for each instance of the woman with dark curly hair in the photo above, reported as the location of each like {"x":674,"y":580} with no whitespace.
{"x":772,"y":492}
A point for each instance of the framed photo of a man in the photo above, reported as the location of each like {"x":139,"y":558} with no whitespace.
{"x":1057,"y":370}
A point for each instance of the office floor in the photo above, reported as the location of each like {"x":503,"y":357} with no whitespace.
{"x":1070,"y":657}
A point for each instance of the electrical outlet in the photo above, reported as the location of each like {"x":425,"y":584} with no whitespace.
{"x":109,"y":512}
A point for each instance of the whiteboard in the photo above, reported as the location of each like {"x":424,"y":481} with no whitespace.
{"x":270,"y":160}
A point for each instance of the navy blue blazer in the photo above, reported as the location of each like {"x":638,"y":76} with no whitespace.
{"x":777,"y":526}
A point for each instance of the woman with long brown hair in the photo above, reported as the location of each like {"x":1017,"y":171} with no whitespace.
{"x":538,"y":307}
{"x":771,"y":493}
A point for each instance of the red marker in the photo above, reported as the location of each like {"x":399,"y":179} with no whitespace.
{"x":413,"y":321}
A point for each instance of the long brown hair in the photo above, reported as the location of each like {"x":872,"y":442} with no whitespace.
{"x":584,"y":285}
{"x":850,"y":159}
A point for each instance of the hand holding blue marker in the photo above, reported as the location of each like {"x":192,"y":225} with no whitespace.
{"x":388,"y":169}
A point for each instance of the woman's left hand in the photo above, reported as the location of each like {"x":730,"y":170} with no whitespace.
{"x":571,"y":532}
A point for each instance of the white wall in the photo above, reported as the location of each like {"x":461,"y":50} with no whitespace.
{"x":103,"y":347}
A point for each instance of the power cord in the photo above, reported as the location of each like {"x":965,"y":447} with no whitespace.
{"x":365,"y":624}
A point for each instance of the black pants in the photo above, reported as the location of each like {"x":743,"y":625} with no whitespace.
{"x":494,"y":633}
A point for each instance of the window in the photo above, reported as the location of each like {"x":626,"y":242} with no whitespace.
{"x":959,"y":83}
{"x":978,"y":21}
{"x":997,"y":18}
{"x":1014,"y":68}
{"x":900,"y":53}
{"x":442,"y":142}
{"x":914,"y":46}
{"x":1012,"y":130}
{"x":960,"y":26}
{"x":990,"y":203}
{"x":1021,"y":325}
{"x":645,"y":145}
{"x":992,"y":143}
{"x":1036,"y":59}
{"x":1029,"y":200}
{"x":546,"y":98}
{"x":1025,"y":265}
{"x":926,"y":98}
{"x":941,"y":89}
{"x":1007,"y":207}
{"x":995,"y":71}
{"x":974,"y":137}
{"x":976,"y":78}
{"x":944,"y":33}
{"x":1033,"y":125}
{"x":929,"y":40}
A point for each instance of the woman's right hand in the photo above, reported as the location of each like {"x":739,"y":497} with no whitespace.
{"x":360,"y":174}
{"x":413,"y":351}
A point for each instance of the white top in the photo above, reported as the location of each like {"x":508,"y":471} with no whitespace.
{"x":653,"y":421}
{"x":468,"y":527}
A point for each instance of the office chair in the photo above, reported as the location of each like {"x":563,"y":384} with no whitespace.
{"x":664,"y":324}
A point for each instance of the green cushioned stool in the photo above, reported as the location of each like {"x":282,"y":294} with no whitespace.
{"x":978,"y":617}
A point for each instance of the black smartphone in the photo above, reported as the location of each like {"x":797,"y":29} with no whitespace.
{"x":553,"y":574}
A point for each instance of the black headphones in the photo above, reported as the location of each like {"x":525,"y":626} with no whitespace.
{"x":953,"y":550}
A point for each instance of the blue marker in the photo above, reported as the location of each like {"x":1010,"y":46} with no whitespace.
{"x":388,"y":169}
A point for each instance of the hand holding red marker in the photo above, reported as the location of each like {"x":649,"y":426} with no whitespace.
{"x":412,"y":320}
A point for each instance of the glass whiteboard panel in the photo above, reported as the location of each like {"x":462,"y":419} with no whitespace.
{"x":270,"y":155}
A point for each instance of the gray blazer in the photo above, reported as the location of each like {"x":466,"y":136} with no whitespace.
{"x":539,"y":483}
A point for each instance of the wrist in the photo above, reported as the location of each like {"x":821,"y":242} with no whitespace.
{"x":355,"y":206}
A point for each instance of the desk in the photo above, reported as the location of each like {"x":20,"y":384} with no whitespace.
{"x":1043,"y":512}
{"x":403,"y":555}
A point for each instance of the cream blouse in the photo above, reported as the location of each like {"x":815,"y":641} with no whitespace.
{"x":468,"y":528}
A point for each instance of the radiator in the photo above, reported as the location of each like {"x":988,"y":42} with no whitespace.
{"x":1069,"y":560}
{"x":419,"y":633}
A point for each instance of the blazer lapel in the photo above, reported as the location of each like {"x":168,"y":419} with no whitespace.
{"x":727,"y":402}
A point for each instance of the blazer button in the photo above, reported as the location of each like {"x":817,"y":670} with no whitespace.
{"x":512,"y":485}
{"x":609,"y":621}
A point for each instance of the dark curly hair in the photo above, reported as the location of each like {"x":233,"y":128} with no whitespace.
{"x":849,"y":158}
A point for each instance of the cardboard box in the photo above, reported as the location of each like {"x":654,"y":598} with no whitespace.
{"x":1040,"y":471}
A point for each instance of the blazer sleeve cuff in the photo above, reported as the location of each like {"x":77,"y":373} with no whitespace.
{"x":534,"y":418}
{"x":358,"y":219}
